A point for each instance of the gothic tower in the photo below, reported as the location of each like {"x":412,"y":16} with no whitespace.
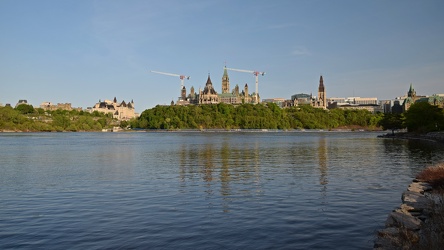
{"x":183,"y":94}
{"x":412,"y":92}
{"x":236,"y":90}
{"x":322,"y":97}
{"x":225,"y":82}
{"x":192,"y":94}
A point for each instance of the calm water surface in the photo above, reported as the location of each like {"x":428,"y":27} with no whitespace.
{"x":215,"y":190}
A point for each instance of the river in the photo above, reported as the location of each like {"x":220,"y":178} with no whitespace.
{"x":202,"y":190}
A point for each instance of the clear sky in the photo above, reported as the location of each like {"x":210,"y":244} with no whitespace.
{"x":81,"y":51}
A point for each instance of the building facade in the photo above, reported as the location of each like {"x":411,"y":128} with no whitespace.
{"x":48,"y":106}
{"x":412,"y":97}
{"x":321,"y":100}
{"x":210,"y":96}
{"x":121,"y":111}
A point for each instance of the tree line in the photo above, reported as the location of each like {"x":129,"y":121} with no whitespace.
{"x":27,"y":118}
{"x":249,"y":116}
{"x":421,"y":117}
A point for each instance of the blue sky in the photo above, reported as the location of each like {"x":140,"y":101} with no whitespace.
{"x":82,"y":51}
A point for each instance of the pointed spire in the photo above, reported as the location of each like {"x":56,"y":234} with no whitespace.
{"x":411,"y":92}
{"x":321,"y":84}
{"x":115,"y":99}
{"x":209,"y":80}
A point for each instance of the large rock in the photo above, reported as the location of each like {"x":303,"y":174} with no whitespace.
{"x":416,"y":200}
{"x":402,"y":220}
{"x":419,"y":187}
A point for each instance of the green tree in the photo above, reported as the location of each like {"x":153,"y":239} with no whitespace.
{"x":62,"y":122}
{"x":423,"y":117}
{"x":392,"y":122}
{"x":25,"y":109}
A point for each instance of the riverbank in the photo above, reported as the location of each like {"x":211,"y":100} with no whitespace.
{"x":418,"y":223}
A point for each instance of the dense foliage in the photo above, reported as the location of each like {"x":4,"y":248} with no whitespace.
{"x":392,"y":122}
{"x":249,"y":116}
{"x":423,"y":117}
{"x":26,"y":118}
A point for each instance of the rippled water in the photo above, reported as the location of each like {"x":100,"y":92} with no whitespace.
{"x":243,"y":190}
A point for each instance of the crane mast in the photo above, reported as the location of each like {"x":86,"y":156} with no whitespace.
{"x":181,"y":77}
{"x":256,"y":74}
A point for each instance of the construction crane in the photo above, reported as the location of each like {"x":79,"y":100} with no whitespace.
{"x":182,"y":77}
{"x":256,"y":74}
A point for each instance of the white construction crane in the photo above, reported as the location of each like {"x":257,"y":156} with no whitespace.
{"x":255,"y":73}
{"x":182,"y":77}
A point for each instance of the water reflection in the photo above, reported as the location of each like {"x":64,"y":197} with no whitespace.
{"x":167,"y":190}
{"x":323,"y":159}
{"x":417,"y":154}
{"x":225,"y":167}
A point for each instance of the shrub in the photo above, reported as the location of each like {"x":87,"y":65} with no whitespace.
{"x":433,"y":175}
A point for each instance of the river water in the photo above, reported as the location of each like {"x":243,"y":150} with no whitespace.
{"x":194,"y":190}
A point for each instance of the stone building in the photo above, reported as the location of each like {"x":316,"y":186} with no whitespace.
{"x":321,"y":99}
{"x":121,"y":111}
{"x":411,"y":98}
{"x":307,"y":99}
{"x":301,"y":99}
{"x":48,"y":106}
{"x":210,"y":96}
{"x":225,"y":82}
{"x":20,"y":102}
{"x":435,"y":100}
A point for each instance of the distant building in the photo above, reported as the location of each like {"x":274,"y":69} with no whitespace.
{"x":210,"y":96}
{"x":321,"y":100}
{"x":373,"y":108}
{"x":301,"y":99}
{"x":435,"y":100}
{"x":225,"y":82}
{"x":121,"y":111}
{"x":48,"y":106}
{"x":336,"y":100}
{"x":411,"y":98}
{"x":281,"y":102}
{"x":20,"y":102}
{"x":362,"y":101}
{"x":366,"y":103}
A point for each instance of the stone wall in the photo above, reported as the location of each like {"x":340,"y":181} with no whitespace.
{"x":404,"y":223}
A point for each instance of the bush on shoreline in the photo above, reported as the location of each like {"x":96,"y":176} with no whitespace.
{"x":434,"y":176}
{"x":432,"y":236}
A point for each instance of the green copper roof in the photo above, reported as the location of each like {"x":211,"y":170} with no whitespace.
{"x":225,"y":71}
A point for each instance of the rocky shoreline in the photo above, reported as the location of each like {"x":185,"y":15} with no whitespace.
{"x":404,"y":227}
{"x":404,"y":223}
